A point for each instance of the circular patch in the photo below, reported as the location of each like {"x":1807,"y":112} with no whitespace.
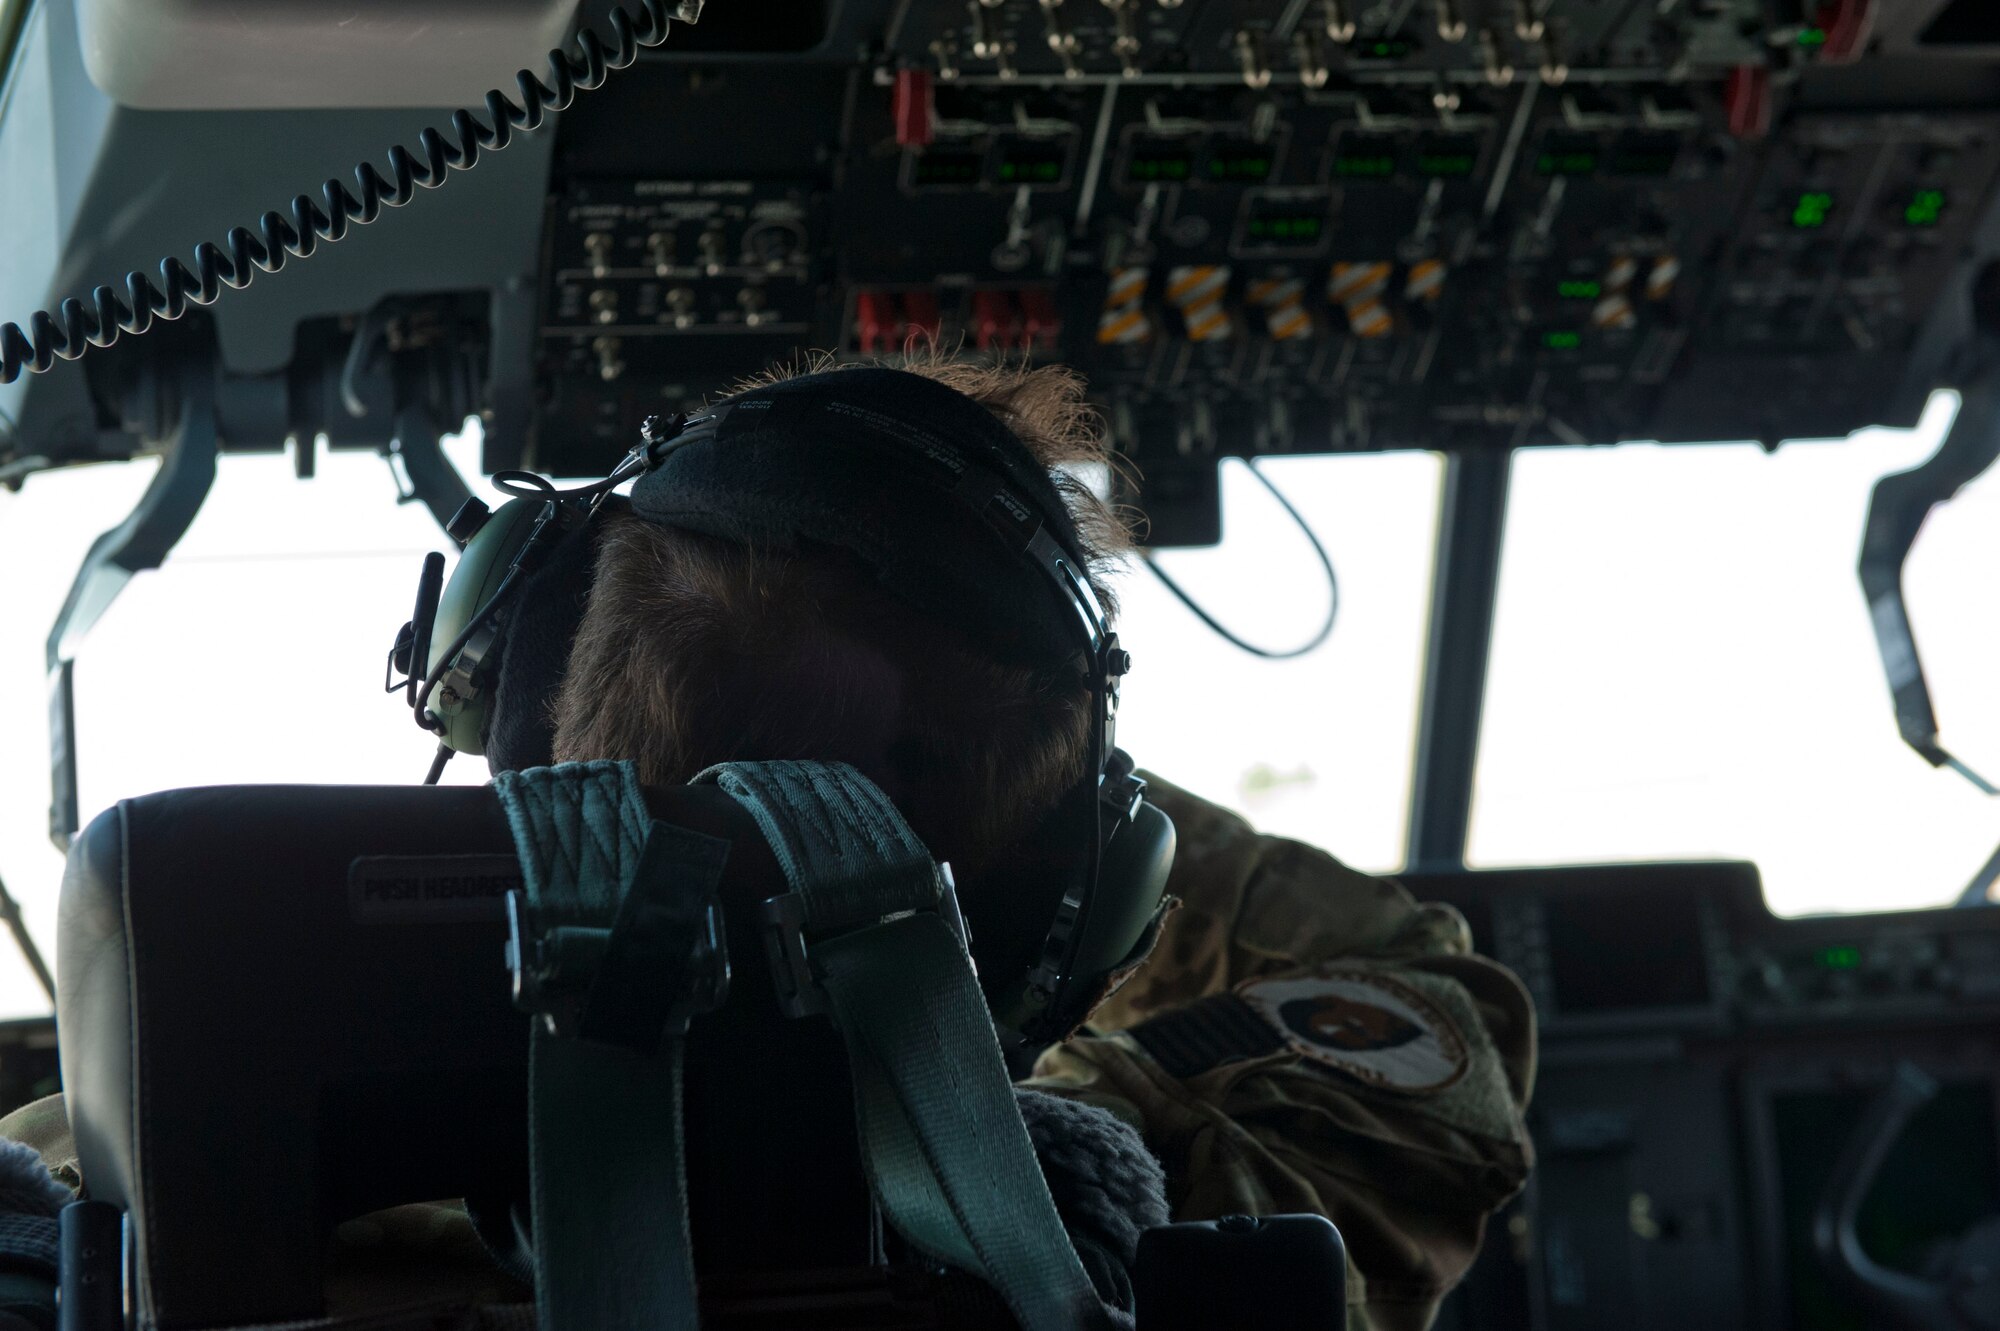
{"x":1368,"y":1026}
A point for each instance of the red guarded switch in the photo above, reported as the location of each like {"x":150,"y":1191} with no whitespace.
{"x":1848,"y":24}
{"x":913,"y":106}
{"x":1746,"y":95}
{"x":875,"y":321}
{"x":1041,"y":325}
{"x":920,"y":320}
{"x":994,"y":321}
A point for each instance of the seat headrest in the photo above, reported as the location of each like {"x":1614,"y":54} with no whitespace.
{"x":283,"y":1006}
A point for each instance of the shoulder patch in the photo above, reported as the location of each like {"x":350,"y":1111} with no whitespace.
{"x":1370,"y":1027}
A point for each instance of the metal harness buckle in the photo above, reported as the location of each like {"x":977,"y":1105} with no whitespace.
{"x":800,"y":993}
{"x":556,"y":970}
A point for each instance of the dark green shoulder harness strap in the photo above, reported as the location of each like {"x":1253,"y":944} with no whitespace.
{"x":871,"y":935}
{"x":619,"y":943}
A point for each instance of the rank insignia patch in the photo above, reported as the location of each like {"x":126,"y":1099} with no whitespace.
{"x":1370,"y":1027}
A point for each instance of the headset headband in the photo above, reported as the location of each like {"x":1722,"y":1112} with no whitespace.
{"x":831,"y":459}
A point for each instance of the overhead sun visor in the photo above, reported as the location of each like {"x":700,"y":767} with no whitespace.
{"x":217,"y":55}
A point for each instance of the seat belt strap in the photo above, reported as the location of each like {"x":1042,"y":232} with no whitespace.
{"x":871,"y":934}
{"x":617,"y":942}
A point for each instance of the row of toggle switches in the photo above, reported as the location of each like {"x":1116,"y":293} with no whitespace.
{"x":997,"y":319}
{"x":1198,"y":294}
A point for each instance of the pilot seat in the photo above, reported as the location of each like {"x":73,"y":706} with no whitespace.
{"x":291,"y":1045}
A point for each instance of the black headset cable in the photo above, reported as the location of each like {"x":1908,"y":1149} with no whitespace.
{"x":1325,"y":562}
{"x":438,"y":760}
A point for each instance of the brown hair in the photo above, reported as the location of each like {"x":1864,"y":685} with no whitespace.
{"x":694,"y":651}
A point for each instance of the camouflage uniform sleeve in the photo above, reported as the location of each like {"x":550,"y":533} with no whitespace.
{"x":1310,"y":1038}
{"x":44,"y":1125}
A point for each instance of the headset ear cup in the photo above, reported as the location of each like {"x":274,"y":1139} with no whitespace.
{"x":480,"y":574}
{"x":1131,"y":880}
{"x":1132,"y":874}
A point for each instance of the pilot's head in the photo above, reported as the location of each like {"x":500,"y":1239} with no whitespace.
{"x":693,"y":648}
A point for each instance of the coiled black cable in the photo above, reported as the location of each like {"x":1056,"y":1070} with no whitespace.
{"x":77,"y":327}
{"x":1320,"y":634}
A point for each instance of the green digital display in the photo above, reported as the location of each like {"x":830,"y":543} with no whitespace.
{"x":1562,"y":341}
{"x":946,"y":168}
{"x":1277,"y":228}
{"x":1148,"y":166}
{"x":1364,"y":165}
{"x":1448,"y":160}
{"x":1811,"y":37}
{"x":1567,"y":162}
{"x":1810,"y":212}
{"x":1579,"y":290}
{"x":1386,"y":48}
{"x":1842,"y":957}
{"x":1240,"y":164}
{"x":1033,"y":164}
{"x":1924,"y":208}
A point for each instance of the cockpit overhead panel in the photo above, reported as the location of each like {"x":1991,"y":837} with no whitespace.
{"x":1274,"y":227}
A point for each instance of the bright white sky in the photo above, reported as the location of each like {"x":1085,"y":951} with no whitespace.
{"x":1682,"y":665}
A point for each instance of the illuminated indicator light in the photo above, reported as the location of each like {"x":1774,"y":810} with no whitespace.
{"x":1364,"y":166}
{"x":1031,"y":166}
{"x":1144,"y":170}
{"x":1562,"y":341}
{"x":1925,"y":207}
{"x":1301,"y":229}
{"x":1840,"y":958}
{"x":1580,"y":290}
{"x":1810,"y":212}
{"x":1446,"y":165}
{"x":1030,"y":171}
{"x":934,"y":168}
{"x":1812,"y":37}
{"x":1390,"y":48}
{"x":1576,"y":163}
{"x":1240,"y":166}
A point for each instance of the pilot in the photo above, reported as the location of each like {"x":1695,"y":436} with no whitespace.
{"x":1302,"y":1038}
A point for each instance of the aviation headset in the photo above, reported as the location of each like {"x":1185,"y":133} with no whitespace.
{"x":923,"y":485}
